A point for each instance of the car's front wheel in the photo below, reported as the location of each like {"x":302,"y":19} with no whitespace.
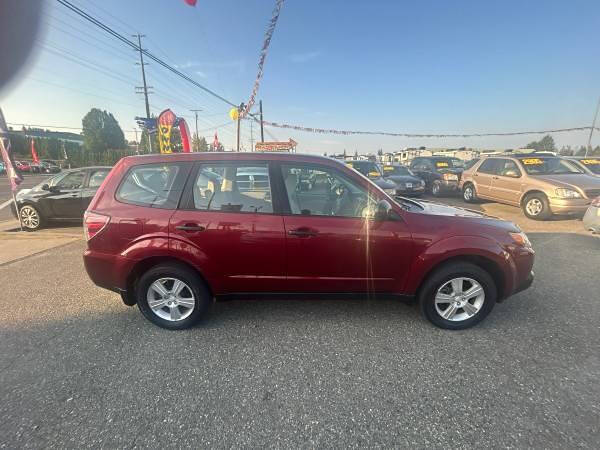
{"x":536,"y":207}
{"x":30,"y":218}
{"x":436,"y":189}
{"x":172,"y":296}
{"x":469,"y":194}
{"x":457,"y":296}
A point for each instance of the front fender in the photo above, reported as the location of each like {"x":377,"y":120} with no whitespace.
{"x":461,"y":246}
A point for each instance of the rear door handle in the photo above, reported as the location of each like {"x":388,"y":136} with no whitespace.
{"x":303,"y":232}
{"x":190,"y":227}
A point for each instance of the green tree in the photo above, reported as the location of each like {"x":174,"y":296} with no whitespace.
{"x":101,"y":131}
{"x":199,"y":144}
{"x":581,"y":151}
{"x":596,"y":151}
{"x":545,"y":144}
{"x":144,"y":143}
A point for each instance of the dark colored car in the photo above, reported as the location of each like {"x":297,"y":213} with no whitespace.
{"x":590,"y":165}
{"x":63,"y":197}
{"x":440,"y":173}
{"x":407,"y":182}
{"x":372,"y":171}
{"x":170,"y":236}
{"x":46,"y":167}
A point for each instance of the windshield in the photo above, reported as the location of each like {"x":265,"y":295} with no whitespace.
{"x":396,"y":170}
{"x":549,"y":166}
{"x":592,"y":164}
{"x":367,"y":168}
{"x":458,"y":163}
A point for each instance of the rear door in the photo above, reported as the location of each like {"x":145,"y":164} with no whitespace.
{"x":331,"y":245}
{"x":483,"y":177}
{"x":229,"y":224}
{"x":506,"y":184}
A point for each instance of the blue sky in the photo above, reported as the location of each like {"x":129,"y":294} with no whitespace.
{"x":421,"y":67}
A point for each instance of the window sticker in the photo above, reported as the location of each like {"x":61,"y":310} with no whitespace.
{"x":532,"y":161}
{"x":441,"y":164}
{"x":590,"y":162}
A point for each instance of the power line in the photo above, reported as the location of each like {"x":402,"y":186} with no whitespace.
{"x":126,"y":41}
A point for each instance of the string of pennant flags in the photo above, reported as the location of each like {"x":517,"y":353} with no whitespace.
{"x":261,"y":60}
{"x":418,"y":135}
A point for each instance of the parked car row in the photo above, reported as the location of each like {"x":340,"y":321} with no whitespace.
{"x":40,"y":167}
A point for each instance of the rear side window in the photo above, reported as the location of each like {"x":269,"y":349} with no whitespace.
{"x":488,"y":166}
{"x":231,"y":187}
{"x":153,"y":185}
{"x":97,"y":177}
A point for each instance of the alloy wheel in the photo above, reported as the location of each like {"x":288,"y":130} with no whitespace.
{"x":459,"y":299}
{"x":468,"y":193}
{"x":30,"y":217}
{"x":171,"y":299}
{"x":534,"y":207}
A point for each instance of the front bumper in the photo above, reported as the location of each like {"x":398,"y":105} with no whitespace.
{"x":571,"y":206}
{"x":402,"y":191}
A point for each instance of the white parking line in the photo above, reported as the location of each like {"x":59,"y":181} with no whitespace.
{"x":6,"y":203}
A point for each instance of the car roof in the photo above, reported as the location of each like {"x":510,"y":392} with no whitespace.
{"x":229,"y":156}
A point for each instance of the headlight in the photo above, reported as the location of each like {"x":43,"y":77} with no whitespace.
{"x":450,"y":177}
{"x":521,"y":239}
{"x":567,"y":193}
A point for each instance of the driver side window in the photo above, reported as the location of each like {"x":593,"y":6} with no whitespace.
{"x":73,"y":180}
{"x":323,"y":191}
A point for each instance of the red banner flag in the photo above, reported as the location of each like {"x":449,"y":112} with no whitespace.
{"x":34,"y":154}
{"x":216,"y":142}
{"x":14,"y":176}
{"x":185,"y":135}
{"x":191,"y":2}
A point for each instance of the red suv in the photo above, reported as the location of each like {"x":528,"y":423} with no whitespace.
{"x":171,"y":233}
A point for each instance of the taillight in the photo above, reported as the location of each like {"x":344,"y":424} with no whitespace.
{"x":596,"y":202}
{"x":94,"y":223}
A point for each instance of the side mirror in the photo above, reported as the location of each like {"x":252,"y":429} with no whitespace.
{"x":511,"y":173}
{"x":45,"y":187}
{"x":382,"y":210}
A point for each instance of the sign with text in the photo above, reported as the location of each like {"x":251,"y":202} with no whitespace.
{"x":284,"y":146}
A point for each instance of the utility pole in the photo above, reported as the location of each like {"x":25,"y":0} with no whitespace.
{"x":240,"y":108}
{"x":137,"y":143}
{"x":251,"y":136}
{"x":589,"y":146}
{"x":144,"y":89}
{"x":196,"y":111}
{"x":262,"y":131}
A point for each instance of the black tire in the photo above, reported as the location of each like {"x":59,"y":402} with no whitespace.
{"x":202,"y":296}
{"x":468,"y":193}
{"x":30,"y":218}
{"x":442,"y":276}
{"x":436,"y":189}
{"x":540,"y":199}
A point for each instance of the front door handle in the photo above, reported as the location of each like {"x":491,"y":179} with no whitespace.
{"x":190,"y":227}
{"x":494,"y":178}
{"x":303,"y":232}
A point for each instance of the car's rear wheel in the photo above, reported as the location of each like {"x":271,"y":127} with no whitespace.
{"x":469,"y":194}
{"x":457,"y":296}
{"x":172,"y":296}
{"x":536,"y":207}
{"x":31,"y":219}
{"x":436,"y":189}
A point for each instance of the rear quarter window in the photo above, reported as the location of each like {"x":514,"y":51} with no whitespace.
{"x":153,"y":185}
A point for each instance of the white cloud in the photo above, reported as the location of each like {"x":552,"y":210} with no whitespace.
{"x":200,"y":74}
{"x":299,"y":58}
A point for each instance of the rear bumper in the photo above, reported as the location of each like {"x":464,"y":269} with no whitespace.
{"x":108,"y":271}
{"x":448,"y":186}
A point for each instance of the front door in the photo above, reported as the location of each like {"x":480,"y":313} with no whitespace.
{"x":331,"y":245}
{"x":230,"y":226}
{"x":64,"y":201}
{"x":506,"y":185}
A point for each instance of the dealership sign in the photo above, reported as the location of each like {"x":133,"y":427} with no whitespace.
{"x":285,"y":146}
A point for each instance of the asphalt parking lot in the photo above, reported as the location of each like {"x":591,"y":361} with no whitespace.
{"x":80,"y":369}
